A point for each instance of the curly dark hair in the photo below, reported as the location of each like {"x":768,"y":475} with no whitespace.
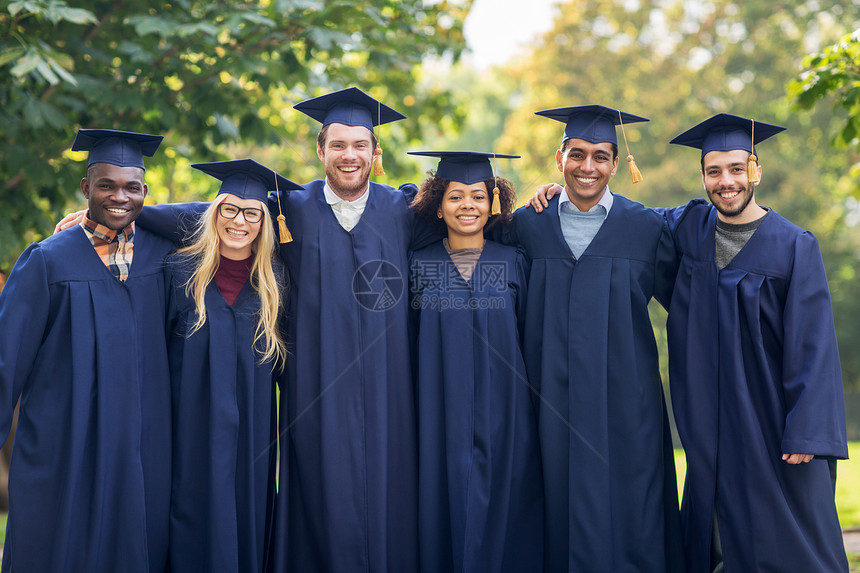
{"x":429,"y":198}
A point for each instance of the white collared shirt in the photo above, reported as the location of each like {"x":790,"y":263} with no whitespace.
{"x":348,"y":213}
{"x":605,"y":201}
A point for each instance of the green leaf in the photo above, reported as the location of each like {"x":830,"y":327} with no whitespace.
{"x":26,"y":64}
{"x":47,"y":73}
{"x":144,"y":25}
{"x":63,"y":73}
{"x":11,"y":54}
{"x":16,"y":7}
{"x":75,"y":15}
{"x":226,"y":126}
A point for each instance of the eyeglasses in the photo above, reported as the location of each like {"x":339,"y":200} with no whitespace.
{"x":230,"y":211}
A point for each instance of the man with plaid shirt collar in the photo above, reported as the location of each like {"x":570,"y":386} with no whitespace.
{"x":83,"y":347}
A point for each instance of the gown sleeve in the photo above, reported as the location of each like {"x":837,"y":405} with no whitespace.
{"x":424,"y":233}
{"x":812,"y":376}
{"x":666,"y":262}
{"x":506,"y":231}
{"x":24,"y":308}
{"x":522,"y":279}
{"x":172,"y":221}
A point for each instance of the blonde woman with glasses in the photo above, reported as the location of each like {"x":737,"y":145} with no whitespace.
{"x":225,"y":299}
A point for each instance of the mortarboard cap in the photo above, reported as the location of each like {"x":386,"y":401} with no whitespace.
{"x":245,"y":178}
{"x":464,"y":166}
{"x":468,"y":167}
{"x":349,"y":107}
{"x":593,"y":123}
{"x":726,"y":132}
{"x":121,"y":148}
{"x":596,"y":124}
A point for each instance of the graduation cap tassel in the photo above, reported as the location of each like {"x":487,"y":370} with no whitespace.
{"x":496,"y":208}
{"x":635,"y":174}
{"x":283,"y":233}
{"x":377,"y":162}
{"x":377,"y":155}
{"x":752,"y":162}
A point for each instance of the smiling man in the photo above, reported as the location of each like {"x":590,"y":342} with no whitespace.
{"x":754,"y":368}
{"x":83,"y":346}
{"x":598,"y":258}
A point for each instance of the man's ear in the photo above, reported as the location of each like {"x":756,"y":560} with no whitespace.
{"x":85,"y":188}
{"x":559,"y":160}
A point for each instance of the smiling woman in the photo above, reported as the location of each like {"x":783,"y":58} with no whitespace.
{"x":225,"y":297}
{"x":480,"y":491}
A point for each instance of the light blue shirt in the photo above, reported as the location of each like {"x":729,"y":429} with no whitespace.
{"x":579,"y":228}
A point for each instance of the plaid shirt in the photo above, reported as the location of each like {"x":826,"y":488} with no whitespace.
{"x":114,"y":248}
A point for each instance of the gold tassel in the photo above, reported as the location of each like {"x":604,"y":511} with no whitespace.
{"x":496,"y":209}
{"x":635,"y":174}
{"x":752,"y":161}
{"x":286,"y":236}
{"x":377,"y":162}
{"x":752,"y":168}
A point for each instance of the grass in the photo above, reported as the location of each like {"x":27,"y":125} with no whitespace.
{"x":847,"y":492}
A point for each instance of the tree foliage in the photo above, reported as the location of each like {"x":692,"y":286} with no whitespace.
{"x":834,"y":73}
{"x":215,"y":77}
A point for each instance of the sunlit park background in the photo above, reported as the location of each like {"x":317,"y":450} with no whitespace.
{"x":219,"y":80}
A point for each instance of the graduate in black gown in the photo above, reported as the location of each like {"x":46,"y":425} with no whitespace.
{"x":597,"y":259}
{"x":754,"y":368}
{"x":225,"y":300}
{"x":82,"y":345}
{"x":479,"y":485}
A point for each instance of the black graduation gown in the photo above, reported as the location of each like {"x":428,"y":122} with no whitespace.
{"x":480,"y":488}
{"x":755,"y":373}
{"x":89,"y":481}
{"x":608,"y":466}
{"x":224,"y":430}
{"x":348,"y":471}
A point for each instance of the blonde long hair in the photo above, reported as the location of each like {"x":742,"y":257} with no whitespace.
{"x":205,"y":248}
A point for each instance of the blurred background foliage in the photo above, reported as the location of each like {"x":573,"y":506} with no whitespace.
{"x":219,"y":80}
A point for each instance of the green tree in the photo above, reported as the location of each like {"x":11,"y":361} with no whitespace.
{"x":834,"y":75}
{"x":213,"y":76}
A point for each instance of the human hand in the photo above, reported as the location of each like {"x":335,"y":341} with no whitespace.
{"x":797,"y":458}
{"x":544,"y":193}
{"x":70,"y":220}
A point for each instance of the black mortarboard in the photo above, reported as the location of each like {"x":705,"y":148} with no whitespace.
{"x":121,"y":148}
{"x":726,"y":132}
{"x":468,"y":167}
{"x":349,"y":107}
{"x":596,"y":124}
{"x":593,"y":123}
{"x":245,"y":178}
{"x":464,"y":166}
